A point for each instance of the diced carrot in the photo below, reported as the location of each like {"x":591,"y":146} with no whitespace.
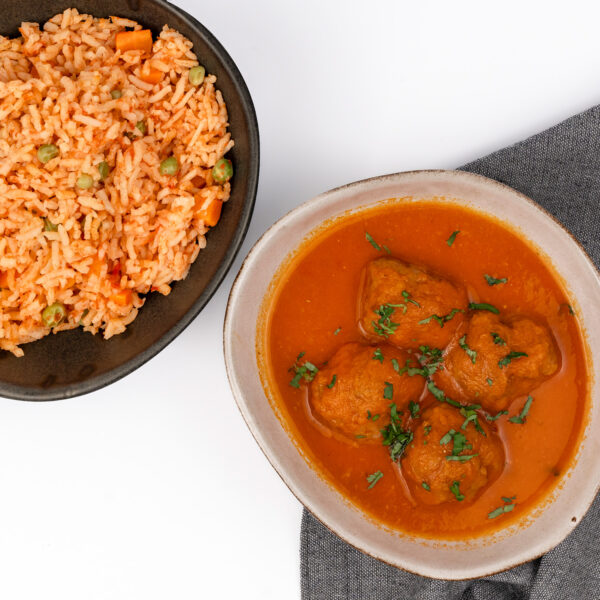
{"x":122,"y":297}
{"x":212,"y":213}
{"x":150,"y":74}
{"x":134,"y":40}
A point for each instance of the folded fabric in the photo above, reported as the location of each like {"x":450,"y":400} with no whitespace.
{"x":560,"y":169}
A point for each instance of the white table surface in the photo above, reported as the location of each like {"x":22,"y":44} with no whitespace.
{"x":153,"y":488}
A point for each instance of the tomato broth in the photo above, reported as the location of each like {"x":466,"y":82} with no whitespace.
{"x":313,"y":310}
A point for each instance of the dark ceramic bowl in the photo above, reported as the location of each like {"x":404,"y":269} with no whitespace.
{"x":74,"y":362}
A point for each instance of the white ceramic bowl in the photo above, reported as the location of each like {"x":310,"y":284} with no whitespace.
{"x":536,"y":532}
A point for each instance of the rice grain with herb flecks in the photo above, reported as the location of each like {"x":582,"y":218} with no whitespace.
{"x":91,"y":215}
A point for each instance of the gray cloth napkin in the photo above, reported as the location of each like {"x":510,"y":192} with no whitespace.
{"x":560,"y":169}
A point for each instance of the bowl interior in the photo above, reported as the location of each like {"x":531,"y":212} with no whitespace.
{"x":75,"y":362}
{"x":536,"y":532}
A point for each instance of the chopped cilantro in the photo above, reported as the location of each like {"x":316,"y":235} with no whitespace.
{"x":472,"y":354}
{"x":378,"y":355}
{"x":493,"y":280}
{"x":508,"y":506}
{"x":333,"y":380}
{"x":427,"y":429}
{"x":395,"y":414}
{"x":406,"y":295}
{"x":503,"y":362}
{"x":571,"y":311}
{"x":439,"y":395}
{"x":384,"y":325}
{"x":414,"y":409}
{"x":452,"y":237}
{"x":483,"y":306}
{"x":455,"y":489}
{"x":459,"y":443}
{"x":471,"y":416}
{"x":395,"y":365}
{"x":425,"y":486}
{"x":337,"y":331}
{"x":372,"y":242}
{"x":388,"y":392}
{"x":374,"y":478}
{"x":360,"y":436}
{"x":307,"y":371}
{"x":495,"y":417}
{"x":394,"y":436}
{"x":372,"y":417}
{"x":497,"y":339}
{"x":386,"y":249}
{"x":520,"y":418}
{"x":490,"y":381}
{"x":430,"y":359}
{"x":462,"y":457}
{"x":447,"y":438}
{"x":436,"y":392}
{"x":410,"y":371}
{"x":441,"y":320}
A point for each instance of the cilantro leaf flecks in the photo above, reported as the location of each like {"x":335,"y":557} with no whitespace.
{"x":508,"y":507}
{"x":371,"y":241}
{"x":483,"y":306}
{"x":504,"y":362}
{"x":493,"y":280}
{"x":441,"y":320}
{"x":455,"y":489}
{"x":452,"y":237}
{"x":472,"y":354}
{"x":520,"y":418}
{"x":374,"y":478}
{"x":384,"y":325}
{"x":497,"y":339}
{"x":394,"y":436}
{"x":306,"y":371}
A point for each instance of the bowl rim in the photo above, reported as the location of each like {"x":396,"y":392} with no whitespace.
{"x":72,"y":390}
{"x":553,"y":538}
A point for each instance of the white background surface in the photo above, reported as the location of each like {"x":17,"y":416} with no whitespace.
{"x":153,"y":488}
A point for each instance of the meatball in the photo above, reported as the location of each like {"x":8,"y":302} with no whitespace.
{"x":354,"y":391}
{"x":408,"y":305}
{"x":492,"y":362}
{"x":429,"y":465}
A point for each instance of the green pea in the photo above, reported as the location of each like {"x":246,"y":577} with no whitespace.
{"x":54,"y":314}
{"x":84,"y":181}
{"x":84,"y":314}
{"x":169,"y":166}
{"x":116,"y":94}
{"x":104,"y":170}
{"x":222,"y":171}
{"x":46,"y":153}
{"x":196,"y":75}
{"x":141,"y":126}
{"x":49,"y":225}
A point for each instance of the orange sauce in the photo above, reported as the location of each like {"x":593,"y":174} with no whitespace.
{"x":316,"y":294}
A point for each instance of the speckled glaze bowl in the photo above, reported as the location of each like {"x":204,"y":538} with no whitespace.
{"x":74,"y":362}
{"x":536,"y":532}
